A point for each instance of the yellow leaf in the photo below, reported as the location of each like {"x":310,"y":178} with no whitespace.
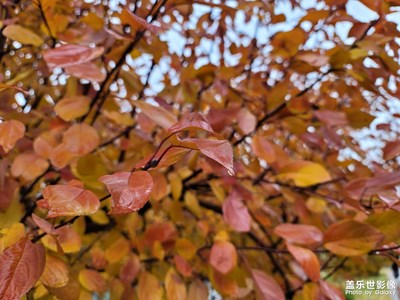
{"x":185,"y":248}
{"x":14,"y":234}
{"x":304,"y":173}
{"x":22,"y":35}
{"x":118,"y":250}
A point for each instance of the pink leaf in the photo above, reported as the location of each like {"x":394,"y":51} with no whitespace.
{"x":266,"y":286}
{"x":223,"y":256}
{"x":70,"y":55}
{"x":236,"y":213}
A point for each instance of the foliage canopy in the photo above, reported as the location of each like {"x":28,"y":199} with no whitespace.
{"x":150,"y":148}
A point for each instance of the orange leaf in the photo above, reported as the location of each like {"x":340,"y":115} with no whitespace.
{"x":7,"y":191}
{"x":21,"y":267}
{"x":129,"y":191}
{"x":81,"y":139}
{"x":307,"y":260}
{"x":137,"y":23}
{"x":70,"y":108}
{"x":10,"y":132}
{"x":130,"y":269}
{"x":182,"y":266}
{"x":351,"y":238}
{"x":263,"y":149}
{"x":157,"y":114}
{"x":299,"y":234}
{"x":223,"y":256}
{"x":266,"y":286}
{"x":149,"y":285}
{"x":55,"y":273}
{"x":198,"y":290}
{"x":175,"y":286}
{"x":391,"y":150}
{"x":68,"y":200}
{"x":28,"y":165}
{"x":235,"y":213}
{"x":87,"y":70}
{"x":64,"y":239}
{"x":191,"y":121}
{"x":92,"y":281}
{"x":70,"y":55}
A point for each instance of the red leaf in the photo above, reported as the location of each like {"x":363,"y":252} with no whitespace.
{"x":223,"y":256}
{"x":307,"y":260}
{"x":129,"y":191}
{"x":331,"y":118}
{"x":368,"y":187}
{"x":21,"y":267}
{"x":10,"y":132}
{"x":130,"y":269}
{"x":299,"y":234}
{"x":70,"y":55}
{"x":182,"y":266}
{"x":217,"y":150}
{"x":236,"y":213}
{"x":68,"y":200}
{"x":44,"y":225}
{"x":7,"y":191}
{"x":266,"y":286}
{"x":191,"y":121}
{"x":391,"y":150}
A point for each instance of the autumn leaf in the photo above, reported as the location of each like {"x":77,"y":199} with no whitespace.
{"x":92,"y":281}
{"x":175,"y":286}
{"x":266,"y":286}
{"x":299,"y":234}
{"x":223,"y":256}
{"x":351,"y":238}
{"x":149,"y":285}
{"x":71,"y":108}
{"x":158,"y":114}
{"x":191,"y":121}
{"x":68,"y":200}
{"x":263,"y":149}
{"x":80,"y":139}
{"x":22,"y":35}
{"x":137,"y":23}
{"x":56,"y":273}
{"x":391,"y":150}
{"x":70,"y":55}
{"x":217,"y":150}
{"x":235,"y":213}
{"x":29,"y":165}
{"x":7,"y":191}
{"x":10,"y":132}
{"x":86,"y":70}
{"x":22,"y":264}
{"x":307,"y":260}
{"x":129,"y":191}
{"x":304,"y":173}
